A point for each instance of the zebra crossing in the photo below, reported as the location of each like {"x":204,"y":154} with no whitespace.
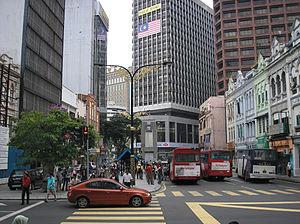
{"x":234,"y":193}
{"x":151,"y":214}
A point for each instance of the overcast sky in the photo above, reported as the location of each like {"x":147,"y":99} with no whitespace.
{"x":120,"y":33}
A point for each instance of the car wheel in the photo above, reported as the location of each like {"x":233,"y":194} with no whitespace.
{"x":82,"y":202}
{"x":136,"y":201}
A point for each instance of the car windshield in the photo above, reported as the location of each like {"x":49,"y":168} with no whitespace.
{"x":19,"y":172}
{"x":220,"y":155}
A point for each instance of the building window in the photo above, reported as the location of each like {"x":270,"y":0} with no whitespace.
{"x":172,"y":131}
{"x":273,"y":87}
{"x":181,"y":133}
{"x":161,"y":133}
{"x":298,"y":120}
{"x":278,"y":83}
{"x":190,"y":133}
{"x":196,"y":134}
{"x":283,"y":82}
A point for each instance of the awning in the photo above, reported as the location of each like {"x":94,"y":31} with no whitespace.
{"x":124,"y":153}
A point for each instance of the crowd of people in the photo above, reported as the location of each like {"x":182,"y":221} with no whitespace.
{"x":63,"y":178}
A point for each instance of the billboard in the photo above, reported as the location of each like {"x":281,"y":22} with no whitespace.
{"x":149,"y":9}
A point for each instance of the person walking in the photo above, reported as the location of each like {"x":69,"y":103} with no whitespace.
{"x":149,"y":174}
{"x":59,"y":179}
{"x":50,"y":187}
{"x":289,"y":169}
{"x":66,"y":179}
{"x":26,"y":182}
{"x":127,"y":178}
{"x":159,"y":172}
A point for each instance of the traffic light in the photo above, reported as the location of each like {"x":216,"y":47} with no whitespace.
{"x":85,"y":131}
{"x":77,"y":135}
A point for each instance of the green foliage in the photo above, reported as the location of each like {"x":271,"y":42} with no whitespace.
{"x":117,"y":130}
{"x":49,"y":138}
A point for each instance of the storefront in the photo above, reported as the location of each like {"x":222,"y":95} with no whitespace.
{"x":284,"y":147}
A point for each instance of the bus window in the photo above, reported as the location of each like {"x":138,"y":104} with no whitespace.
{"x":220,"y":155}
{"x":187,"y":158}
{"x":265,"y":155}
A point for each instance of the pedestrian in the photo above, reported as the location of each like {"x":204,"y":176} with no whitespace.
{"x":59,"y":179}
{"x":159,"y":172}
{"x":20,"y":219}
{"x":289,"y":169}
{"x":66,"y":179}
{"x":26,"y":182}
{"x":50,"y":187}
{"x":127,"y":178}
{"x":149,"y":174}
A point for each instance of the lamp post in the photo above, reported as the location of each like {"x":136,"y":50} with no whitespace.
{"x":132,"y":75}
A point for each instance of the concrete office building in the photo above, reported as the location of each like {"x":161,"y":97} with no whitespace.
{"x":32,"y":34}
{"x":85,"y":43}
{"x":117,"y":89}
{"x":181,"y":32}
{"x":212,"y":124}
{"x":245,"y":28}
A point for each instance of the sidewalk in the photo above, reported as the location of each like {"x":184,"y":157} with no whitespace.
{"x":6,"y":194}
{"x":290,"y":179}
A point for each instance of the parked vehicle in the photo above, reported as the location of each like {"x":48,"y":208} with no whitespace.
{"x":185,"y":165}
{"x":257,"y":164}
{"x":102,"y":191}
{"x":216,"y":164}
{"x":15,"y":179}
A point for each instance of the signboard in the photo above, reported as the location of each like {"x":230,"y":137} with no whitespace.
{"x":149,"y":9}
{"x":187,"y":170}
{"x":220,"y":166}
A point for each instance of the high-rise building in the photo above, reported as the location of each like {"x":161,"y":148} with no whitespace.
{"x":85,"y":43}
{"x":180,"y":32}
{"x":32,"y":34}
{"x":117,"y":89}
{"x":243,"y":28}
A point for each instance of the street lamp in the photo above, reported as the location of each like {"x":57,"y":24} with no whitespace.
{"x":132,"y":75}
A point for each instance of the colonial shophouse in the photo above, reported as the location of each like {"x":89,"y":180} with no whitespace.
{"x":261,"y":94}
{"x":240,"y":102}
{"x":263,"y":107}
{"x":284,"y":111}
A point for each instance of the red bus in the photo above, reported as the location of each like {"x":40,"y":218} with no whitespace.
{"x":216,"y":164}
{"x":185,"y":165}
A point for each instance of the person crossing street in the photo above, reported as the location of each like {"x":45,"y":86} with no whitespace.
{"x":26,"y":182}
{"x":50,"y":187}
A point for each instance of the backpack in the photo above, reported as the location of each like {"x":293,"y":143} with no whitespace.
{"x":26,"y":182}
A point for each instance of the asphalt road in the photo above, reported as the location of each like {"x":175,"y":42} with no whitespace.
{"x":276,"y":202}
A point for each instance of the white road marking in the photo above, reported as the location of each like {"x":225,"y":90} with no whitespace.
{"x":20,"y":211}
{"x":2,"y":204}
{"x":6,"y":211}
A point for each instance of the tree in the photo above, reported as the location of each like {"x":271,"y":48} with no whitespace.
{"x":49,"y":138}
{"x":117,"y":130}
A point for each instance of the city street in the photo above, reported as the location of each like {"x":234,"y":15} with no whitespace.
{"x":208,"y":202}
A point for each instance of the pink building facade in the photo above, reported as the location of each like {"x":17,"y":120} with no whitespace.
{"x":212,"y":134}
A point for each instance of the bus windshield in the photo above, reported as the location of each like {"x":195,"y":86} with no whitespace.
{"x":220,"y":155}
{"x":186,"y":158}
{"x":266,"y":155}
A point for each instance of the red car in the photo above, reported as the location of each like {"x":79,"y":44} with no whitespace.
{"x":101,"y":191}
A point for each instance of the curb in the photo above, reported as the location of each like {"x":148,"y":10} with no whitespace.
{"x":289,"y":180}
